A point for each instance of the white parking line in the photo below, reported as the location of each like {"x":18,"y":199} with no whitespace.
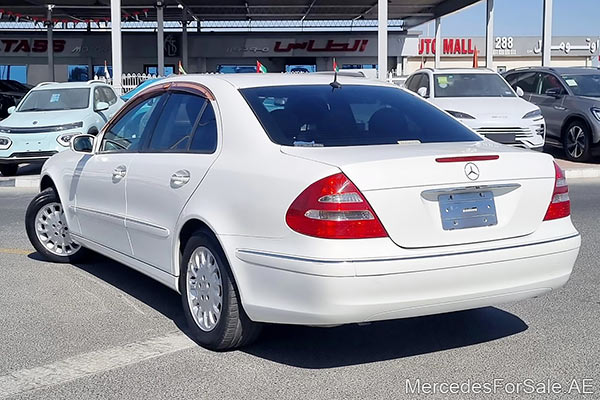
{"x":91,"y":363}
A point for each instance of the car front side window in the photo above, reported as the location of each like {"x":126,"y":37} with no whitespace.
{"x":109,"y":95}
{"x":128,"y":132}
{"x":527,"y":81}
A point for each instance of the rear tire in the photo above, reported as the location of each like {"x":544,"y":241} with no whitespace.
{"x":8,"y":169}
{"x":210,"y":298}
{"x":47,"y":229}
{"x":577,"y":142}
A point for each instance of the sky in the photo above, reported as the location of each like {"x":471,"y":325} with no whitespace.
{"x":523,"y":18}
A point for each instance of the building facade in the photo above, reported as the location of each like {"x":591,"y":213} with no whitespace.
{"x":81,"y":55}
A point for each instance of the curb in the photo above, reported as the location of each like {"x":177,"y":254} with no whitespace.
{"x":583,"y":173}
{"x":21,"y":182}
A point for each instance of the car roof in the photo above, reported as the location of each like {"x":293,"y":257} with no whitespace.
{"x":456,"y":71}
{"x":561,"y":70}
{"x":66,"y":85}
{"x":248,"y":80}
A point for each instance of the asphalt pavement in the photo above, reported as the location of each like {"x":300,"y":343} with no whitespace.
{"x":103,"y":331}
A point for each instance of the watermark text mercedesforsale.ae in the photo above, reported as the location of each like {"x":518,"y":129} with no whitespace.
{"x":583,"y":386}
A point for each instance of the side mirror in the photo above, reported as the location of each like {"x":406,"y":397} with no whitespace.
{"x":101,"y":106}
{"x":82,"y":144}
{"x":422,"y":92}
{"x":11,"y":109}
{"x":520,"y":92}
{"x":554,"y":92}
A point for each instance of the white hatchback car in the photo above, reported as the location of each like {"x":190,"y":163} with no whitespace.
{"x":44,"y":122}
{"x":284,"y":199}
{"x":485,"y":102}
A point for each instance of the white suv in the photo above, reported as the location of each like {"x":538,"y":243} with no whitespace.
{"x":482,"y":100}
{"x":49,"y":116}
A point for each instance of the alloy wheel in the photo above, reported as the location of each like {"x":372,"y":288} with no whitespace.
{"x":576,"y":141}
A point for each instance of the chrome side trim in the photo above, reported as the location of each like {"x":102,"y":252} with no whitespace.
{"x":498,"y":190}
{"x":128,"y":221}
{"x":146,"y":227}
{"x":350,"y":261}
{"x":97,"y":212}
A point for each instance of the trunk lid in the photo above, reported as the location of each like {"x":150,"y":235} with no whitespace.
{"x":404,"y":184}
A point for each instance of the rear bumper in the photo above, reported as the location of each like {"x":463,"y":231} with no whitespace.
{"x":275,"y":290}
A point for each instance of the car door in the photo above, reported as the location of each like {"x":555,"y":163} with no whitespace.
{"x":164,"y":175}
{"x":552,"y":106}
{"x":99,"y":182}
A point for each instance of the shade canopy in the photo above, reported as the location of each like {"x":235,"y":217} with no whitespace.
{"x":412,"y":12}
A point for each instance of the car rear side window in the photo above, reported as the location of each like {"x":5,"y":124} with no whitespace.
{"x":177,"y":123}
{"x":353,"y":115}
{"x":205,"y":136}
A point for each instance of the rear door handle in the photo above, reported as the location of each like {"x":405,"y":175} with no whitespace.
{"x":119,"y":173}
{"x":180,"y":178}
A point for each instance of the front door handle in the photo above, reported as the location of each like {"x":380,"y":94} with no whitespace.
{"x":180,"y":178}
{"x":119,"y":173}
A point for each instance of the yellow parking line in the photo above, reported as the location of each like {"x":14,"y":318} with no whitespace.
{"x":15,"y":251}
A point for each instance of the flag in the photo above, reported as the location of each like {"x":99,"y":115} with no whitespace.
{"x":260,"y":69}
{"x":475,"y":58}
{"x":336,"y":68}
{"x":106,"y":73}
{"x":181,"y":70}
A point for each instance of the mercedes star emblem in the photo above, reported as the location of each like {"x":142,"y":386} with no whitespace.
{"x":471,"y":171}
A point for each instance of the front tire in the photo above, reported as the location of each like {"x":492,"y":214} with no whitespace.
{"x":210,"y":298}
{"x":8,"y":169}
{"x":577,"y":142}
{"x":47,"y":229}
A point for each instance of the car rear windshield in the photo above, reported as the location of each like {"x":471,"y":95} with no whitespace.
{"x":584,"y":85}
{"x":471,"y":85}
{"x":55,"y":99}
{"x":353,"y":115}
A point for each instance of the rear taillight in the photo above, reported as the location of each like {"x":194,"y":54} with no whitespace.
{"x":560,"y":206}
{"x":334,"y":208}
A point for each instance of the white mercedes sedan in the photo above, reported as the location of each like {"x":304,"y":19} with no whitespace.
{"x":295,"y":199}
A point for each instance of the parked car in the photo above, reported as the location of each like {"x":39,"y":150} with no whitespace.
{"x":482,"y":100}
{"x":139,"y":88}
{"x":49,"y":116}
{"x":570,"y":101}
{"x":349,"y":202}
{"x":11,"y":92}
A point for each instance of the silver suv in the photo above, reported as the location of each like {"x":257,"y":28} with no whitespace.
{"x":570,"y":102}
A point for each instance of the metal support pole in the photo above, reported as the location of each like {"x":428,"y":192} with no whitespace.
{"x":115,"y":39}
{"x":489,"y":35}
{"x":438,"y":42}
{"x":547,"y":33}
{"x":50,"y":44}
{"x":184,"y":40}
{"x":160,"y":38}
{"x":382,"y":39}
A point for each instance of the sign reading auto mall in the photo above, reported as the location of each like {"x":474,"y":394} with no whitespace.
{"x":510,"y":46}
